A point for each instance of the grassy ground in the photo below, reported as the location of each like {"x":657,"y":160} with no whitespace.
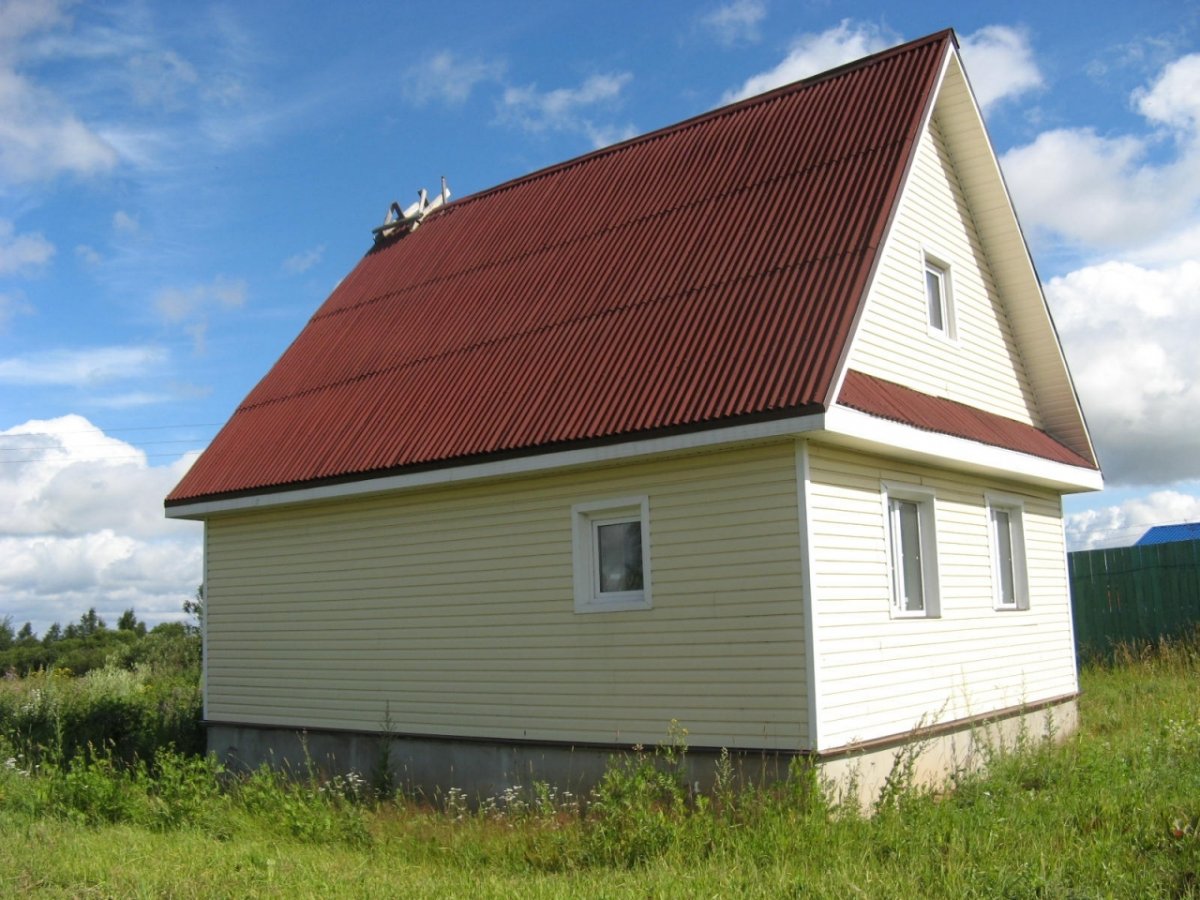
{"x":1114,"y":812}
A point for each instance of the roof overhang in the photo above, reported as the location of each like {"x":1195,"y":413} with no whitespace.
{"x":840,"y":426}
{"x":862,"y":431}
{"x":534,"y":463}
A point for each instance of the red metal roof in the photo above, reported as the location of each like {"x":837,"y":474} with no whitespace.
{"x":691,"y":277}
{"x":888,"y":400}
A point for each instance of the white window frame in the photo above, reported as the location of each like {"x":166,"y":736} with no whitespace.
{"x":1015,"y":508}
{"x":925,"y":500}
{"x":585,"y":520}
{"x":933,"y":263}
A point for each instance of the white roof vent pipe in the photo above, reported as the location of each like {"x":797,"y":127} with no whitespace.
{"x":405,"y":220}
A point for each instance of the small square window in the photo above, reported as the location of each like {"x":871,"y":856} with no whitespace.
{"x":612,"y":555}
{"x":1010,"y":578}
{"x":912,"y":551}
{"x":939,"y":298}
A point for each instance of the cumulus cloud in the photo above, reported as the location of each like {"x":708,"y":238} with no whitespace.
{"x":81,"y":368}
{"x":1121,"y":525}
{"x":21,"y":253}
{"x":569,"y":109}
{"x":813,"y":53}
{"x":1130,"y":335}
{"x":446,"y":78}
{"x":1118,"y":191}
{"x":1174,"y":98}
{"x":736,"y":22}
{"x":81,"y":525}
{"x":1000,"y":64}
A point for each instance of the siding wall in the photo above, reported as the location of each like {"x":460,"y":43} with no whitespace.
{"x":879,"y":675}
{"x":453,"y":609}
{"x":982,"y":366}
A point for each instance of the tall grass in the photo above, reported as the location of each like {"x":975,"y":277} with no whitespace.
{"x":1114,"y":811}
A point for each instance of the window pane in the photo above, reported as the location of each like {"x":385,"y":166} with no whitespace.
{"x":620,"y":549}
{"x":907,"y":549}
{"x":933,"y":292}
{"x":1004,"y":556}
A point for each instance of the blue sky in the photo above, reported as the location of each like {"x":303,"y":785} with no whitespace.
{"x":182,"y":184}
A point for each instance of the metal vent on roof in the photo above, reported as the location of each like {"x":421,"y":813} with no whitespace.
{"x":405,"y":220}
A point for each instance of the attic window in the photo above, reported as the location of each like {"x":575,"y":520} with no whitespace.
{"x":939,"y":297}
{"x":612,"y":555}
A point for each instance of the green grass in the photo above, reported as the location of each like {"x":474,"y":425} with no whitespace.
{"x":1114,"y":812}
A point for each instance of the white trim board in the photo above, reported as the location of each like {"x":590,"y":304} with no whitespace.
{"x":840,"y":426}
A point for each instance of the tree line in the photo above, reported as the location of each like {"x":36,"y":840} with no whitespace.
{"x":90,"y":644}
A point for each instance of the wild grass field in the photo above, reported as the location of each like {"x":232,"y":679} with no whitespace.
{"x":1113,"y":812}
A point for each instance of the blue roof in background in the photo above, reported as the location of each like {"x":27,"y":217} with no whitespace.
{"x":1166,"y":534}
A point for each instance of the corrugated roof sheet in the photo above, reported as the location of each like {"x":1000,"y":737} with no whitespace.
{"x":888,"y":400}
{"x":1169,"y":534}
{"x":700,"y":274}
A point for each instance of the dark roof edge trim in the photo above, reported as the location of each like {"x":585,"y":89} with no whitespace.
{"x":502,"y":455}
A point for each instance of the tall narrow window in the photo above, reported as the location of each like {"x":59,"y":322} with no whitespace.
{"x":912,"y":550}
{"x":906,"y":554}
{"x":1006,"y":520}
{"x":612,"y":555}
{"x":939,"y":298}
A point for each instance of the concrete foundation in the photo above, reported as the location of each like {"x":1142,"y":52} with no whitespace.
{"x":930,"y":758}
{"x":430,"y":766}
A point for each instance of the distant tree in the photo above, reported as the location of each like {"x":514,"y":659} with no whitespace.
{"x":26,"y":636}
{"x":196,"y":608}
{"x":53,"y":635}
{"x":129,"y":622}
{"x":89,"y":624}
{"x":7,"y":636}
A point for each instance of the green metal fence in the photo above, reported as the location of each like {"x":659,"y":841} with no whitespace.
{"x":1134,"y":595}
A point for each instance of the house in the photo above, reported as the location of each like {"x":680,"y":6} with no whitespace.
{"x":1169,"y":534}
{"x":758,"y":422}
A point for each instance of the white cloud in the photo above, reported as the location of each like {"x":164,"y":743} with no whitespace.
{"x":736,"y":22}
{"x":1000,"y":64}
{"x":1131,"y":191}
{"x":447,"y":78}
{"x":813,"y":53}
{"x":1174,"y":99}
{"x":40,"y":139}
{"x":21,"y":252}
{"x":81,"y":525}
{"x":190,"y":307}
{"x":81,"y":367}
{"x":569,"y":109}
{"x":1130,"y":335}
{"x":12,"y":305}
{"x":124,"y":222}
{"x":302,"y":262}
{"x":162,"y":79}
{"x":88,"y":254}
{"x":1121,"y":525}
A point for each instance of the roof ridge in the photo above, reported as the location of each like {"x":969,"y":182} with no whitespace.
{"x":719,"y":112}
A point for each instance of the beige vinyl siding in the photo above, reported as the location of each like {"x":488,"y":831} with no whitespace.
{"x":981,"y":365}
{"x":882,"y":676}
{"x":452,"y":609}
